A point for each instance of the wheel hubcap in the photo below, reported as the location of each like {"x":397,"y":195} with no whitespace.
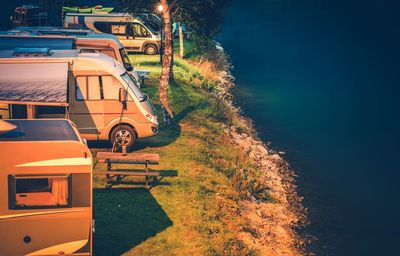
{"x":123,"y":136}
{"x":150,"y":50}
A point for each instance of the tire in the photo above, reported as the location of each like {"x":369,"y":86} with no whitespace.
{"x":150,"y":49}
{"x":125,"y":132}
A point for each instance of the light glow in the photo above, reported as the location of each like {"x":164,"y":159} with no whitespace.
{"x":160,"y":8}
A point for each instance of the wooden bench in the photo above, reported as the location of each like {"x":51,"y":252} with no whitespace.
{"x":129,"y":158}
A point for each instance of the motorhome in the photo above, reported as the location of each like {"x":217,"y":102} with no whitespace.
{"x":91,"y":89}
{"x":66,"y":39}
{"x":29,"y":15}
{"x":46,"y":189}
{"x":133,"y":33}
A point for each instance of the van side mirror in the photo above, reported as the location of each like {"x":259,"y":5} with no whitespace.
{"x":123,"y":95}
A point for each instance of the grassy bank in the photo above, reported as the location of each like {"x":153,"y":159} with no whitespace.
{"x":195,"y":209}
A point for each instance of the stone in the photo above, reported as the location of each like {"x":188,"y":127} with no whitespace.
{"x":262,"y":149}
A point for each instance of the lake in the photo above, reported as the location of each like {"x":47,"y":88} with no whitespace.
{"x":321,"y":80}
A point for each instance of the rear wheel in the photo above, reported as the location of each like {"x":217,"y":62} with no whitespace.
{"x":123,"y":134}
{"x":150,"y":49}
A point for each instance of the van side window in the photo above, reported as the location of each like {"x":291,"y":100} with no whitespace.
{"x":102,"y":26}
{"x":93,"y":88}
{"x":87,"y":88}
{"x":80,"y":88}
{"x":39,"y":191}
{"x":118,"y":29}
{"x":139,"y":30}
{"x":110,"y":88}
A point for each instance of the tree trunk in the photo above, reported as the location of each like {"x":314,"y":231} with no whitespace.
{"x":166,"y":59}
{"x":171,"y":68}
{"x":181,"y":46}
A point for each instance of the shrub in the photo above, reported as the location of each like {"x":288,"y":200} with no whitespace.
{"x":236,"y":247}
{"x":246,"y":182}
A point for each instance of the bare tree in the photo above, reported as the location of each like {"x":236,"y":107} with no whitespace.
{"x":181,"y":46}
{"x":166,"y":58}
{"x":204,"y":17}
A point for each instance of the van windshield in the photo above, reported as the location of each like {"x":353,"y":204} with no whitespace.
{"x":132,"y":85}
{"x":151,"y":28}
{"x":125,"y":59}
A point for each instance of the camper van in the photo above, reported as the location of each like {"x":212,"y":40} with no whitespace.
{"x":66,"y":39}
{"x":29,"y":15}
{"x":45,"y":189}
{"x":90,"y":88}
{"x":133,"y":33}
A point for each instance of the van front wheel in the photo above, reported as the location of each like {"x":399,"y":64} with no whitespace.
{"x":150,"y":49}
{"x":123,"y":134}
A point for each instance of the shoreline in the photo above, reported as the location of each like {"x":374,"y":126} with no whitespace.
{"x":231,"y":194}
{"x":276,"y":222}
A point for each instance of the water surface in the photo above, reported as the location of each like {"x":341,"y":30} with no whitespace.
{"x":321,"y":80}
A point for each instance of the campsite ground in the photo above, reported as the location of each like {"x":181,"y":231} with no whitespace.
{"x":194,"y":211}
{"x":222,"y":192}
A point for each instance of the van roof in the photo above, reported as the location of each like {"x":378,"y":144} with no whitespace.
{"x":54,"y":34}
{"x":49,"y":29}
{"x":54,"y":54}
{"x":40,"y":130}
{"x":110,"y":14}
{"x":89,"y":60}
{"x":10,"y":42}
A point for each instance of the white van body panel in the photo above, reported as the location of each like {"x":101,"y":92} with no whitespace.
{"x":136,"y":43}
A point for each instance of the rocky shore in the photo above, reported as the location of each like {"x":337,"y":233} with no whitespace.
{"x":273,"y":222}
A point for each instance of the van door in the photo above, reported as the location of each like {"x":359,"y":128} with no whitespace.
{"x":112,"y":105}
{"x":141,"y":34}
{"x":86,"y":105}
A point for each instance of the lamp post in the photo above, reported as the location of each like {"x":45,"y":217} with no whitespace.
{"x":160,"y":9}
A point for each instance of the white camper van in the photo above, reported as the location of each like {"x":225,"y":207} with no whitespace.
{"x":133,"y":33}
{"x":68,"y":39}
{"x":45,"y":189}
{"x":92,"y":89}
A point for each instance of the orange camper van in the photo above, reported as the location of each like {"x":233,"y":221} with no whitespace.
{"x":91,"y":89}
{"x":45,"y":189}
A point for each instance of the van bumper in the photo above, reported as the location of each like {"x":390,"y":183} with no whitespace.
{"x":146,"y":130}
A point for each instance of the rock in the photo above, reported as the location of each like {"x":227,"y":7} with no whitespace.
{"x":262,"y":149}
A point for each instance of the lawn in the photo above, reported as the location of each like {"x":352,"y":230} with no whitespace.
{"x":193,"y":211}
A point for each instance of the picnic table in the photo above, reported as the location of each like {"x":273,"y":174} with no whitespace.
{"x":128,"y":158}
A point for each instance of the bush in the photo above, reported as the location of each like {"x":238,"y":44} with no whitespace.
{"x":202,"y":44}
{"x":250,"y":186}
{"x":235,"y":247}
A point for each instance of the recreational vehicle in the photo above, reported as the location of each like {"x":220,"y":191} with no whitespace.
{"x":45,"y":189}
{"x":133,"y":33}
{"x":29,"y":15}
{"x":91,"y":89}
{"x":63,"y":39}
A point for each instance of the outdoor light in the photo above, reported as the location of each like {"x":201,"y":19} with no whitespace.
{"x":160,"y":8}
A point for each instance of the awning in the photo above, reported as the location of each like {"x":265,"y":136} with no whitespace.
{"x":54,"y":43}
{"x":34,"y":83}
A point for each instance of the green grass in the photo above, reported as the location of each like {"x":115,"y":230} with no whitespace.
{"x":194,"y":211}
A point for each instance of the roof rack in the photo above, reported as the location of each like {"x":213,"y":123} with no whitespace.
{"x":32,"y":52}
{"x":83,"y":50}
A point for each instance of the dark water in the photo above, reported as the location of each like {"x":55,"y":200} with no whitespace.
{"x":321,"y":79}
